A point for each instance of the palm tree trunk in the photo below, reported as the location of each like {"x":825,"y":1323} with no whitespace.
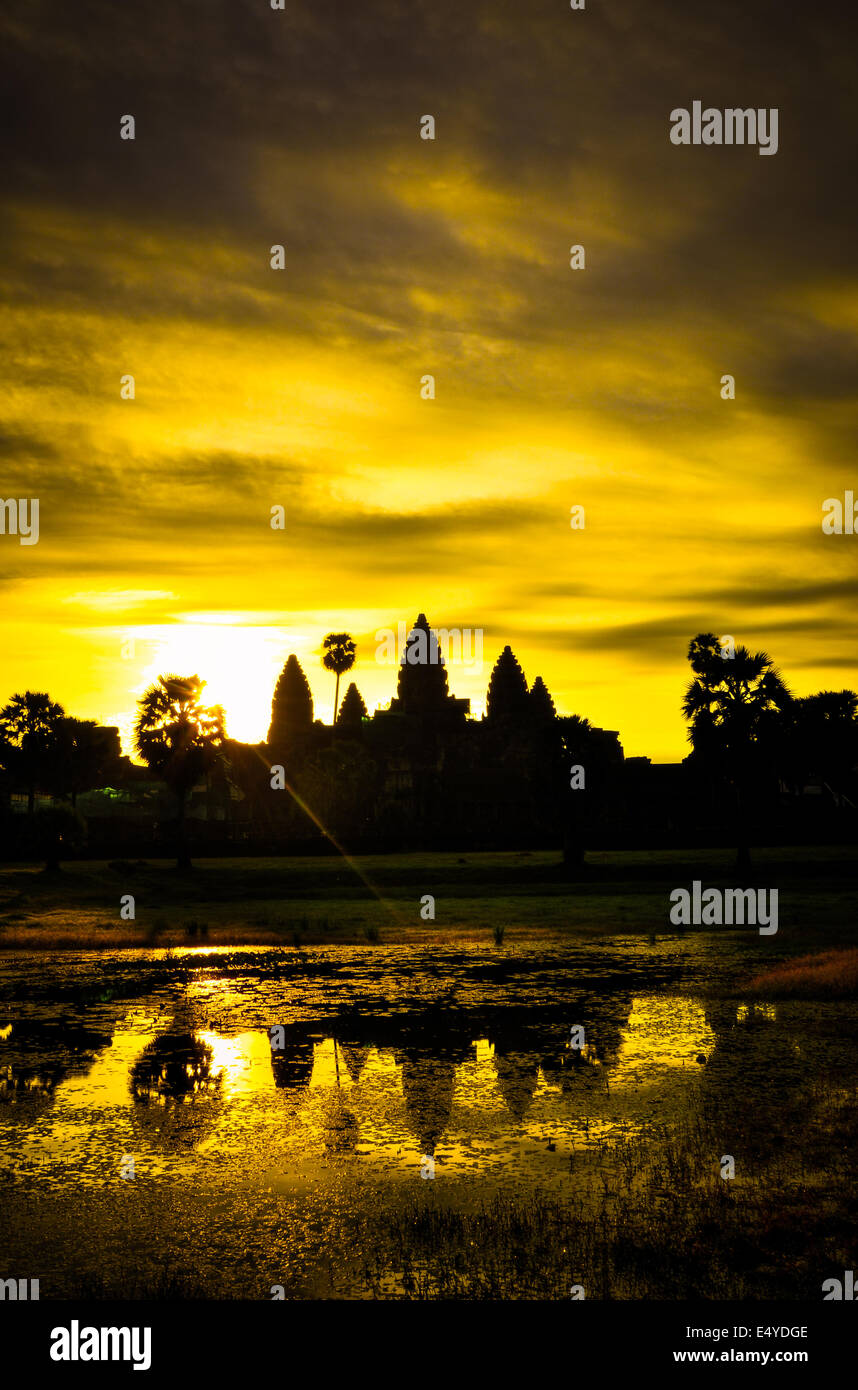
{"x":337,"y":698}
{"x":743,"y":853}
{"x":183,"y":859}
{"x":31,"y":799}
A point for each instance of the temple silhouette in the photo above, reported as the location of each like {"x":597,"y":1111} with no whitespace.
{"x":425,"y":774}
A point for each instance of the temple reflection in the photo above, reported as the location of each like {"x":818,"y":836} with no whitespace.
{"x":37,"y":1057}
{"x":518,"y":1077}
{"x":292,"y":1064}
{"x":355,"y":1057}
{"x":428,"y":1082}
{"x":340,"y":1126}
{"x":401,"y":1085}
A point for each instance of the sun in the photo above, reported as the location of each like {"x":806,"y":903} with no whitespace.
{"x":240,"y":665}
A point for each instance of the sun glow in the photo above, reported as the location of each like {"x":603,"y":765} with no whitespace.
{"x":240,"y":666}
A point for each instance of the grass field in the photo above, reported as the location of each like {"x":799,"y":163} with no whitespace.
{"x":499,"y":897}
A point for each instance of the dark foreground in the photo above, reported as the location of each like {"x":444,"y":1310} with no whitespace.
{"x":422,"y":1126}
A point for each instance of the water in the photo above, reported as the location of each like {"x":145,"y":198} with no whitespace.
{"x":150,"y":1120}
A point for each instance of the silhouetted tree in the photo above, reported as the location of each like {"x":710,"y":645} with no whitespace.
{"x":179,"y":739}
{"x":734,"y":706}
{"x":291,"y":707}
{"x":86,"y":753}
{"x":541,"y":703}
{"x":508,"y":697}
{"x":339,"y":657}
{"x":823,"y":739}
{"x":353,"y":708}
{"x":29,"y":729}
{"x":173,"y":1065}
{"x":577,"y":739}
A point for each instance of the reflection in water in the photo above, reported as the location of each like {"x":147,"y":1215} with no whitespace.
{"x":340,"y":1125}
{"x":428,"y":1081}
{"x":518,"y":1076}
{"x":292,"y":1064}
{"x":38,"y":1056}
{"x":375,"y":1072}
{"x":355,"y":1056}
{"x":388,"y":1056}
{"x":388,"y":1091}
{"x":175,"y":1092}
{"x":756,"y":1084}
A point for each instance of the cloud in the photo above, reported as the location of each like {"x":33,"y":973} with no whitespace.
{"x":404,"y":258}
{"x":117,"y":599}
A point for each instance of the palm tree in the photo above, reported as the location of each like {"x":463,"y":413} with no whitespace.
{"x":178,"y":738}
{"x":339,"y":657}
{"x":733,"y":706}
{"x":87,"y":754}
{"x":29,"y":729}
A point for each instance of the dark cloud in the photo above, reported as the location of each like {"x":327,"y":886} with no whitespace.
{"x":668,"y":637}
{"x":845,"y":663}
{"x":533,"y":103}
{"x":760,"y":592}
{"x":809,"y":360}
{"x":403,"y":256}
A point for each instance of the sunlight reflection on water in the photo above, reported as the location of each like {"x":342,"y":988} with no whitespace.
{"x":390,"y":1058}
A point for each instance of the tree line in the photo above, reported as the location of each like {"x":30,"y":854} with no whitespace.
{"x":749,"y":736}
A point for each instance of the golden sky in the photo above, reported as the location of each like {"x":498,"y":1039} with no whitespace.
{"x":403,"y":256}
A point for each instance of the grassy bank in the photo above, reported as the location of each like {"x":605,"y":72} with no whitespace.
{"x":827,"y":975}
{"x":379,"y":898}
